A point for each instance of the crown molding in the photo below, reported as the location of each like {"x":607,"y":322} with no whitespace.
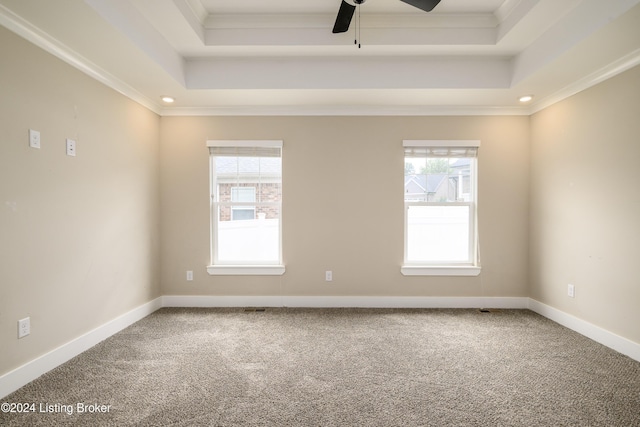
{"x":33,"y":34}
{"x":619,"y":66}
{"x":345,"y":110}
{"x":324,"y":21}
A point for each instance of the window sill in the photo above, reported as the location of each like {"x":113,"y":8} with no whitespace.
{"x":246,"y":270}
{"x":421,"y":270}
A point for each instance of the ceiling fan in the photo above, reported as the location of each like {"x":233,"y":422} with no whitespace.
{"x":347,"y":8}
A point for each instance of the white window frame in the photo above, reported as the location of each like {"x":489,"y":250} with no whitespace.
{"x":471,"y":267}
{"x":215,"y":266}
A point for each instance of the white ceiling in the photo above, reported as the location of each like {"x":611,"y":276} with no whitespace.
{"x":280,"y":56}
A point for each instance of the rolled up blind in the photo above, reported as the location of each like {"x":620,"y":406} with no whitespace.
{"x":245,"y":148}
{"x":434,"y":148}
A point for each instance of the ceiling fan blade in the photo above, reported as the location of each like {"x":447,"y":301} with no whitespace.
{"x":426,"y":5}
{"x":344,"y":17}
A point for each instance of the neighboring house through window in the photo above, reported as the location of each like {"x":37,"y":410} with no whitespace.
{"x":440,"y":197}
{"x":243,"y":195}
{"x":246,"y":204}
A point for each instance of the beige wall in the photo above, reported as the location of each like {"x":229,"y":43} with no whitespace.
{"x":78,"y":236}
{"x":585,"y":205}
{"x":343,"y":204}
{"x":85,"y":239}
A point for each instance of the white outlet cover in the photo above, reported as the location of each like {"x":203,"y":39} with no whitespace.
{"x":34,"y":138}
{"x":24,"y":327}
{"x":71,"y":147}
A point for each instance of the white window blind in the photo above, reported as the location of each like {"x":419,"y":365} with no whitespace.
{"x":245,"y":151}
{"x":451,"y":152}
{"x":245,"y":148}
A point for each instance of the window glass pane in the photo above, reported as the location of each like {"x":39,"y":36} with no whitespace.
{"x":271,"y":166}
{"x":243,"y":194}
{"x":242,"y":213}
{"x":248,"y":165}
{"x":246,"y":199}
{"x":226,"y":169}
{"x":438,"y":233}
{"x":460,"y":177}
{"x":437,"y":165}
{"x":270,"y":188}
{"x":251,"y":240}
{"x":439,"y":179}
{"x":415,"y":180}
{"x":270,"y":192}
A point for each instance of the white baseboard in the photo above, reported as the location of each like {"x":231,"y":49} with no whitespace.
{"x":221,"y":301}
{"x":589,"y":330}
{"x":19,"y":377}
{"x":26,"y":373}
{"x":344,"y":301}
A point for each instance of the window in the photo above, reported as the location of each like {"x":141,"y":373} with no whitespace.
{"x":440,"y":199}
{"x":246,"y":205}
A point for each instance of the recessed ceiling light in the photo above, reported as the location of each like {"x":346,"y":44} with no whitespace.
{"x":526,"y":98}
{"x":167,"y":99}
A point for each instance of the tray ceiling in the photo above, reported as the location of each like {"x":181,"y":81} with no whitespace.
{"x":280,"y":56}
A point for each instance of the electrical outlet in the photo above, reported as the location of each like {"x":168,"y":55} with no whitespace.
{"x":189,"y":275}
{"x":571,"y":290}
{"x":328,"y":276}
{"x":71,"y":147}
{"x":24,"y":327}
{"x":34,"y":138}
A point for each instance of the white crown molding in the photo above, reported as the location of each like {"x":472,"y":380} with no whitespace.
{"x":301,"y":28}
{"x":194,"y":14}
{"x":326,"y":21}
{"x":621,"y":65}
{"x":425,"y":38}
{"x":294,"y":29}
{"x":26,"y":30}
{"x":344,"y":110}
{"x":508,"y":7}
{"x":196,"y":8}
{"x":139,"y":31}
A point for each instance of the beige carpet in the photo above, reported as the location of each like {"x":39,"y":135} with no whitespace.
{"x":338,"y":367}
